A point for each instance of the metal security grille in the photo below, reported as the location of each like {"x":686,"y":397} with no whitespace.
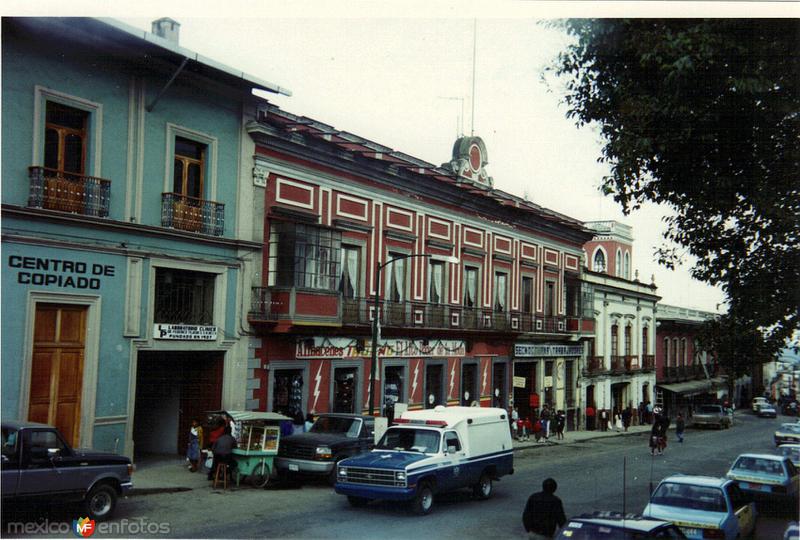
{"x":184,"y":297}
{"x":373,"y":477}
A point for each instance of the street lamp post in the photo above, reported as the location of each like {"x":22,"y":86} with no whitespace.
{"x":374,"y":356}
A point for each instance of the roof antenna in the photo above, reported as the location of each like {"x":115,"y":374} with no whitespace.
{"x":474,"y":42}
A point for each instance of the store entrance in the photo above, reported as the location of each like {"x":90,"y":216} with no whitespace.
{"x":172,"y":388}
{"x":434,"y":388}
{"x":522,"y":395}
{"x":287,"y":391}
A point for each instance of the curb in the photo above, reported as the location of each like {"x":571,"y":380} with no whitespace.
{"x":552,"y":444}
{"x":138,"y":492}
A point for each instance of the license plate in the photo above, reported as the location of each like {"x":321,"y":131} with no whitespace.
{"x":293,"y":467}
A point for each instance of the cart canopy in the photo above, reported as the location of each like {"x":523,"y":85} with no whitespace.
{"x":244,"y":416}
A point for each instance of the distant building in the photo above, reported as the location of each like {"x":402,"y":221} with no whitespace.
{"x":686,"y":374}
{"x":620,"y":365}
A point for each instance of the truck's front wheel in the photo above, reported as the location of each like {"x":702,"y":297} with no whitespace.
{"x":423,"y":500}
{"x":100,"y":502}
{"x":483,"y":489}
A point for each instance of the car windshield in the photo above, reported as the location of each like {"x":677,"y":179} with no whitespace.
{"x":410,"y":440}
{"x":709,"y":499}
{"x":334,"y":424}
{"x":791,"y":428}
{"x":709,"y":409}
{"x":748,"y":464}
{"x":792,"y":453}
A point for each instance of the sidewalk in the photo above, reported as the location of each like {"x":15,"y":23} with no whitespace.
{"x":573,"y":437}
{"x":169,"y":474}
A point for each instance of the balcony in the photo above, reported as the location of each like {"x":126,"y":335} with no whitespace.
{"x":191,"y":214}
{"x":618,"y":364}
{"x":68,"y":192}
{"x":595,"y":365}
{"x":272,"y":304}
{"x":648,"y":362}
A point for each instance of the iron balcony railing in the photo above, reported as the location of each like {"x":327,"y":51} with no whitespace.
{"x":595,"y":365}
{"x":648,"y":362}
{"x":273,"y":303}
{"x":191,"y":214}
{"x":68,"y":192}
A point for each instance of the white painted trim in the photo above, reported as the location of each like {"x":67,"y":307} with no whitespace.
{"x":280,"y":181}
{"x":390,"y":210}
{"x":605,"y":258}
{"x":522,"y":255}
{"x":91,"y":355}
{"x":548,"y":251}
{"x":476,"y":231}
{"x":339,"y":212}
{"x":133,"y":297}
{"x":476,"y":224}
{"x":43,"y":94}
{"x":131,"y":149}
{"x":329,"y":193}
{"x":447,"y":224}
{"x":210,"y":182}
{"x":140,"y":118}
{"x":510,"y":244}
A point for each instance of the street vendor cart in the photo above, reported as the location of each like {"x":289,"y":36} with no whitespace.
{"x":257,"y":439}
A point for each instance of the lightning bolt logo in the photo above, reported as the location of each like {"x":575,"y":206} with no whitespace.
{"x":485,"y":373}
{"x":318,"y":378}
{"x":416,"y":376}
{"x":452,"y":381}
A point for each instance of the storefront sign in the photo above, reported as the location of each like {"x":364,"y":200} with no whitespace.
{"x":186,"y":332}
{"x":538,"y":350}
{"x":59,"y":272}
{"x":393,"y":348}
{"x":548,"y":381}
{"x":519,"y":382}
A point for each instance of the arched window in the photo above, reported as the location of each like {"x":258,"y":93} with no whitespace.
{"x":674,"y":351}
{"x":627,"y":265}
{"x":667,"y":357}
{"x":644,"y":340}
{"x":618,"y":264}
{"x":685,"y":352}
{"x":599,"y":264}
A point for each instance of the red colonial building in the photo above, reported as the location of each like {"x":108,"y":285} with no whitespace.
{"x":685,"y":374}
{"x":466,"y":275}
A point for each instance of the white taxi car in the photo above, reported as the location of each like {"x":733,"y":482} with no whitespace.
{"x":703,"y":507}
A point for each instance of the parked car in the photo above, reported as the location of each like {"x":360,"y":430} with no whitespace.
{"x":428,"y":452}
{"x":703,"y":507}
{"x":767,"y":411}
{"x":791,"y":451}
{"x":332,"y":438}
{"x":614,"y":525}
{"x":38,"y":465}
{"x":787,"y":433}
{"x":757,"y":402}
{"x":711,"y":415}
{"x":766,"y":476}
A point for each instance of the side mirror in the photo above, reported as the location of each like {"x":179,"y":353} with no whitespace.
{"x":53,"y":453}
{"x":451,"y":449}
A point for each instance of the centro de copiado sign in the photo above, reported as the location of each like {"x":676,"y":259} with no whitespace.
{"x":59,"y":272}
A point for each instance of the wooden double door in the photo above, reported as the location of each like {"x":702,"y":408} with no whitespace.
{"x":59,"y":344}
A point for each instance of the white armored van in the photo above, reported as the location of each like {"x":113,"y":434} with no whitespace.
{"x":428,"y":452}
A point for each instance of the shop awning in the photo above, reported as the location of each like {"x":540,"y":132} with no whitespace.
{"x":690,"y":388}
{"x":244,"y":416}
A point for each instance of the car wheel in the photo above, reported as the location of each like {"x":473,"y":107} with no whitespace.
{"x":423,"y":500}
{"x":100,"y":502}
{"x":483,"y":489}
{"x":357,"y":502}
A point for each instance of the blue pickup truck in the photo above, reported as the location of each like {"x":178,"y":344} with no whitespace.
{"x":38,"y":465}
{"x":429,"y":452}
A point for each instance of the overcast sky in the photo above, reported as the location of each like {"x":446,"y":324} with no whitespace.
{"x":399,"y":77}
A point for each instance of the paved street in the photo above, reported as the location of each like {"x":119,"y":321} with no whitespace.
{"x":590,"y":476}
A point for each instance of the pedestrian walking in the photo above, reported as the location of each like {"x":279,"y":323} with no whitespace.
{"x":658,"y":434}
{"x":640,"y":411}
{"x":590,"y":416}
{"x":561,"y":422}
{"x":514,"y":422}
{"x":544,"y":512}
{"x":545,"y":418}
{"x":648,"y":410}
{"x":195,"y":444}
{"x":603,"y":420}
{"x":680,"y":425}
{"x":626,"y":417}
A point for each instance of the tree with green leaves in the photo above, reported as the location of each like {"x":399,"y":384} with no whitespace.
{"x":704,"y":116}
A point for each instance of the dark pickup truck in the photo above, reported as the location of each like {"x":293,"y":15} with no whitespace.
{"x":332,"y":438}
{"x":38,"y":465}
